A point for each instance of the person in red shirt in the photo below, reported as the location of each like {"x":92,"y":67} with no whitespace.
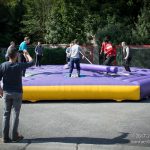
{"x":109,"y":51}
{"x":110,"y":54}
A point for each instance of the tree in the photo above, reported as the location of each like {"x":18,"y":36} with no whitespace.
{"x":11,"y":14}
{"x":117,"y":31}
{"x":35,"y":17}
{"x":66,"y":22}
{"x":142,"y":27}
{"x":54,"y":26}
{"x":61,"y":21}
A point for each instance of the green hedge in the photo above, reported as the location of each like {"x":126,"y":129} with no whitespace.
{"x":56,"y":56}
{"x":50,"y":55}
{"x":140,"y":58}
{"x":2,"y":54}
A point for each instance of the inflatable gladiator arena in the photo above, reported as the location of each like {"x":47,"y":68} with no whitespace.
{"x":97,"y":82}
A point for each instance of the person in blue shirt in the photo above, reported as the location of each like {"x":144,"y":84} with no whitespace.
{"x":23,"y":48}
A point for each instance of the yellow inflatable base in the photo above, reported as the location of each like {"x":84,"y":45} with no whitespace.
{"x":76,"y":92}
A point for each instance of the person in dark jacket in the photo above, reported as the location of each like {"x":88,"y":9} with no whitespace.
{"x":12,"y":44}
{"x":39,"y":54}
{"x":11,"y":92}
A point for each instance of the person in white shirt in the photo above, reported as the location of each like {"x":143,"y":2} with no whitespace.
{"x":126,"y":56}
{"x":75,"y":58}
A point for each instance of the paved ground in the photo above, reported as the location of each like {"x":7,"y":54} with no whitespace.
{"x":83,"y":125}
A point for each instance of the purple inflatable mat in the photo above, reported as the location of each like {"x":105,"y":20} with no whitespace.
{"x":56,"y":75}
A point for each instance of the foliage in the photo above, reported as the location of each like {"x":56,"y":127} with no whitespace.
{"x":65,"y":22}
{"x":139,"y":59}
{"x":10,"y":20}
{"x":142,"y":27}
{"x":35,"y":17}
{"x":61,"y":21}
{"x":116,"y":30}
{"x":51,"y":56}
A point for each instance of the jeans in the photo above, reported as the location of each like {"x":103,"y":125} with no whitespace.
{"x":11,"y":101}
{"x":109,"y":60}
{"x":67,"y":60}
{"x":72,"y":62}
{"x":126,"y":64}
{"x":38,"y":60}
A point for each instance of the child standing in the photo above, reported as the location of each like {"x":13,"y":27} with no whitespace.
{"x":39,"y":54}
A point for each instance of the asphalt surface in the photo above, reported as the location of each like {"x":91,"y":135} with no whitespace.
{"x":83,"y":125}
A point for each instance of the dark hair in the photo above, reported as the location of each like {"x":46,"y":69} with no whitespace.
{"x":107,"y":38}
{"x":26,"y":38}
{"x":11,"y":52}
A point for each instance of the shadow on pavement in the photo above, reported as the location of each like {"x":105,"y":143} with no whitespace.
{"x":146,"y":100}
{"x":81,"y":140}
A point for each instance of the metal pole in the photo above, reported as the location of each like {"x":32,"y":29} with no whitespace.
{"x":86,"y":58}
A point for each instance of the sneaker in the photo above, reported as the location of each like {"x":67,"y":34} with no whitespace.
{"x":19,"y":138}
{"x":6,"y":140}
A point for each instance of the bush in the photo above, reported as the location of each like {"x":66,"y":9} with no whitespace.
{"x":56,"y":56}
{"x":117,"y":32}
{"x":51,"y":56}
{"x":2,"y":54}
{"x":140,"y":58}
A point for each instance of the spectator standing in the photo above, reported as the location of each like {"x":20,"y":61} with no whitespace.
{"x":39,"y":54}
{"x":11,"y":76}
{"x":126,"y":56}
{"x":12,"y":44}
